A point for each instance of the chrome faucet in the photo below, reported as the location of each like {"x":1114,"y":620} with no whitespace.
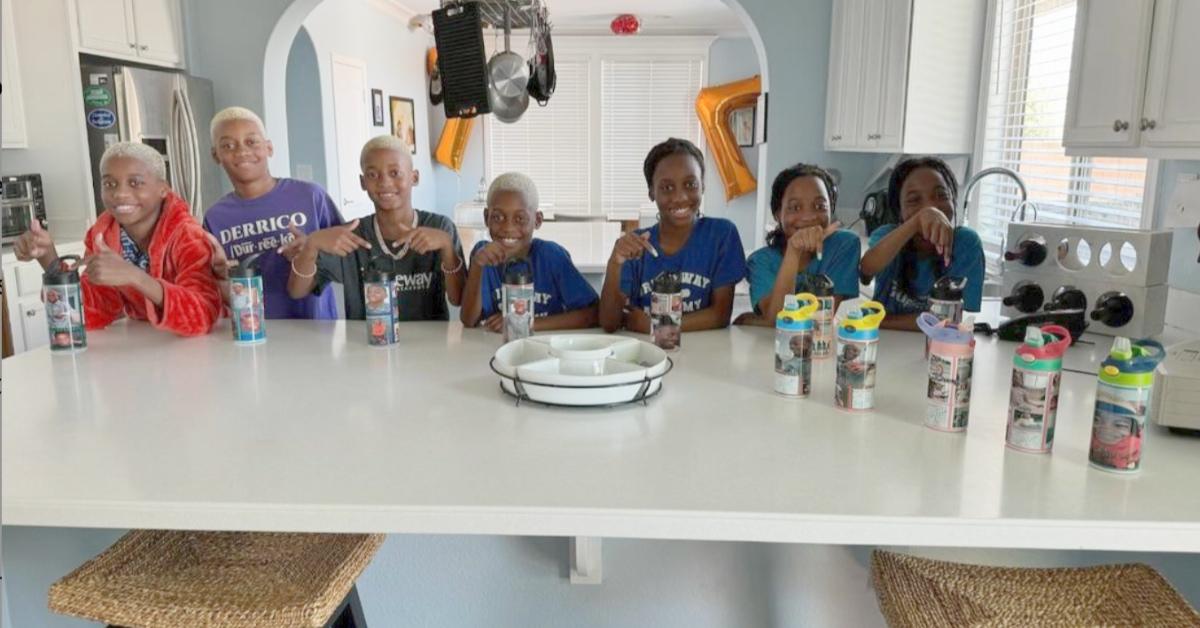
{"x":974,"y":180}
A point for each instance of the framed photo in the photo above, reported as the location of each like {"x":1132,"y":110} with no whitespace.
{"x":404,"y":121}
{"x":377,"y":116}
{"x":742,"y":121}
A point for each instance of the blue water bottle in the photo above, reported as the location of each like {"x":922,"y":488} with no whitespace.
{"x":246,"y":306}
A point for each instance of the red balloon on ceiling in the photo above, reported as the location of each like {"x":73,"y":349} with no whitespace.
{"x":625,"y":24}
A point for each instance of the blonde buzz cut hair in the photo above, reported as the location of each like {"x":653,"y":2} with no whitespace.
{"x":382,"y":142}
{"x":135,"y":150}
{"x":229,"y":114}
{"x":517,"y":183}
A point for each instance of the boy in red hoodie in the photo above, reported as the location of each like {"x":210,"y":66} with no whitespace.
{"x":146,"y":256}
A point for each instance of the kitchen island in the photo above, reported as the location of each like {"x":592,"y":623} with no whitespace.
{"x":316,"y":431}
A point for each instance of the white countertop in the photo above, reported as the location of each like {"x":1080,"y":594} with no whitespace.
{"x":315,"y":431}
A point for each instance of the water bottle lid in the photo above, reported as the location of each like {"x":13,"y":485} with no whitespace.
{"x":1043,"y":347}
{"x":795,"y":316}
{"x":63,"y":271}
{"x":666,"y":282}
{"x":378,"y":271}
{"x":1132,"y":363}
{"x":819,"y":285}
{"x":517,"y":272}
{"x":862,"y":322}
{"x":948,"y":332}
{"x":948,"y":288}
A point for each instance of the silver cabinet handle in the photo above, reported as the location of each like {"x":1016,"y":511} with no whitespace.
{"x":30,"y":313}
{"x":133,"y":46}
{"x":144,"y":47}
{"x":1150,"y":124}
{"x":836,"y":138}
{"x":1119,"y":126}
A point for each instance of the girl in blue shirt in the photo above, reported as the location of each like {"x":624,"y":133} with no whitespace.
{"x":803,"y":244}
{"x":906,"y":259}
{"x":707,"y":252}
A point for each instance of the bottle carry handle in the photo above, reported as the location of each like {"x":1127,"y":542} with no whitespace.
{"x":1152,"y":353}
{"x":1050,"y":350}
{"x":868,"y":321}
{"x":939,"y":330}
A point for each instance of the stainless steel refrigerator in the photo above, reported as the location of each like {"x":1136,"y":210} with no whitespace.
{"x":167,"y":110}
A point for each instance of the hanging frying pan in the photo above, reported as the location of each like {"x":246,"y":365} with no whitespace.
{"x":508,"y":76}
{"x":542,"y":78}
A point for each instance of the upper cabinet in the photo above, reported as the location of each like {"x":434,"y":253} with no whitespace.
{"x":12,"y":106}
{"x":146,"y":31}
{"x":1134,"y":90}
{"x":904,"y":75}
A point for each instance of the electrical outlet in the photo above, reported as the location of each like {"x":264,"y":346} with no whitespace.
{"x":1183,"y":210}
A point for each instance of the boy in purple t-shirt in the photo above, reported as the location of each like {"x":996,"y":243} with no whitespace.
{"x":266,"y":215}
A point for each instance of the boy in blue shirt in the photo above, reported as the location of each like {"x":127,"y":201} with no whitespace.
{"x":906,"y":259}
{"x":563,"y":299}
{"x":804,"y":244}
{"x":706,"y":252}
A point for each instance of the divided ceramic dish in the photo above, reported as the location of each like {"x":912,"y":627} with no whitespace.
{"x":580,"y":369}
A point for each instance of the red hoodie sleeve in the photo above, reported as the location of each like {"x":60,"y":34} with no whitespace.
{"x":191,"y":297}
{"x":101,"y":304}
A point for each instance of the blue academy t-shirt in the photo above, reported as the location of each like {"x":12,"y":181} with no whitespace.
{"x":711,"y":258}
{"x":557,"y":285}
{"x":966,"y":260}
{"x":839,"y":262}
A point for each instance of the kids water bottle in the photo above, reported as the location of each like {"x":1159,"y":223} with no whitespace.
{"x":821,"y":286}
{"x":518,"y":300}
{"x":1122,"y":403}
{"x":951,"y":353}
{"x":946,"y":301}
{"x":794,"y":345}
{"x":246,"y":303}
{"x":857,"y":342}
{"x":64,"y":306}
{"x":382,"y":310}
{"x":1033,"y":400}
{"x":666,"y":311}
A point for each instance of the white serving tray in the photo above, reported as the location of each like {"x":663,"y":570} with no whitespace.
{"x":580,"y":369}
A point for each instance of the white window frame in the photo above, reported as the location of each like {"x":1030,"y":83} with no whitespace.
{"x":595,"y":49}
{"x":989,"y":35}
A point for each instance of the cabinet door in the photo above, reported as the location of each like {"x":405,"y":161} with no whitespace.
{"x":871,"y":42}
{"x":12,"y":107}
{"x":842,"y":94}
{"x":1172,"y":112}
{"x":1108,"y":72}
{"x":106,"y":26}
{"x":158,"y":30}
{"x":889,"y":132}
{"x":32,"y":323}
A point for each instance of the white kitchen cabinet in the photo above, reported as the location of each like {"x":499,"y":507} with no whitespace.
{"x":1172,"y":106}
{"x":147,"y":31}
{"x":12,"y":109}
{"x":1108,"y":72}
{"x":1134,"y":90}
{"x":904,"y":75}
{"x":841,"y":113}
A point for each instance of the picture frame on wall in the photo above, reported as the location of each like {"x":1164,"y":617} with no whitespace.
{"x":377,"y":115}
{"x":742,"y":121}
{"x":404,"y":121}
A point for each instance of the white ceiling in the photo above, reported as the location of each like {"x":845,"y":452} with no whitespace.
{"x":659,"y":17}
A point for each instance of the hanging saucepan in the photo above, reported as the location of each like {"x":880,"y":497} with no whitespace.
{"x":508,"y":76}
{"x":542,"y":78}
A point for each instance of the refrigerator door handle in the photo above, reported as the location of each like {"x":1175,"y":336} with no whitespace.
{"x":131,"y":108}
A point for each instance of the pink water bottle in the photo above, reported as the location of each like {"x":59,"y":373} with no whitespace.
{"x":951,"y":353}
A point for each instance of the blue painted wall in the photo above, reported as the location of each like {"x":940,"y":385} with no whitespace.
{"x":306,"y":142}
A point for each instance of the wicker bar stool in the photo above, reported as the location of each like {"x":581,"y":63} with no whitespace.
{"x":161,"y":578}
{"x":919,"y":592}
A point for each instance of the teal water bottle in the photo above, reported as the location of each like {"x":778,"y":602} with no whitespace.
{"x":1122,"y":404}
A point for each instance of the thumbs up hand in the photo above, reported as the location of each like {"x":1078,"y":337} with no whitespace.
{"x":36,"y":244}
{"x":105,"y":267}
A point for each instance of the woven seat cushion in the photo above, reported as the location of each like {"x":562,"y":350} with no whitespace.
{"x":918,"y":592}
{"x":153,"y":578}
